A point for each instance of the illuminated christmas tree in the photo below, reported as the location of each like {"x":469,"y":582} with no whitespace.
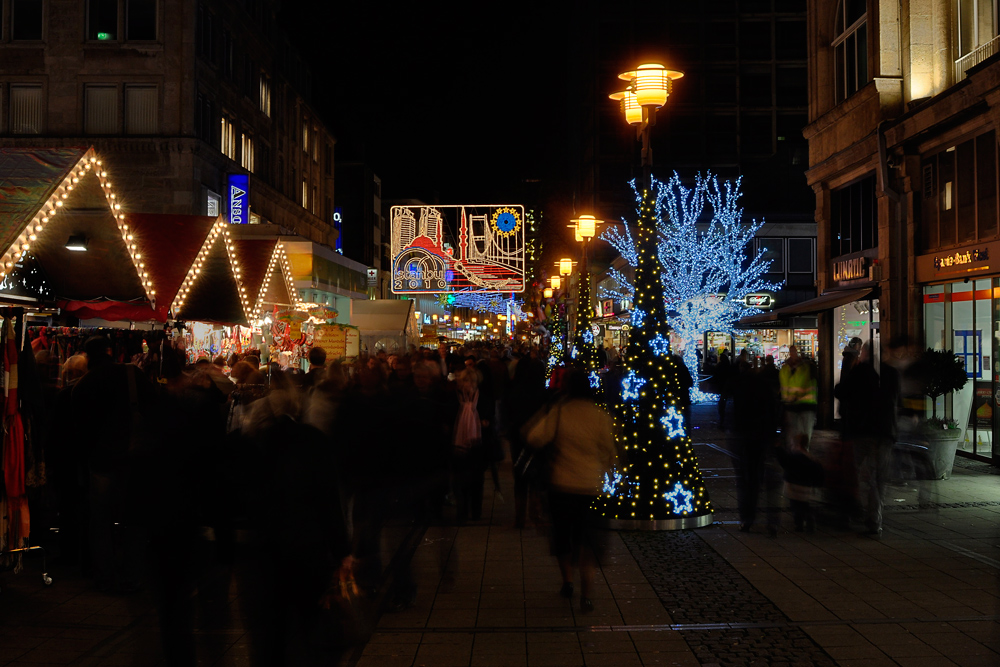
{"x":557,"y":346}
{"x":584,"y":344}
{"x":660,"y":480}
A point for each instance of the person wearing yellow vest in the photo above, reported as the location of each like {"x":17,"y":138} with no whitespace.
{"x":798,"y":399}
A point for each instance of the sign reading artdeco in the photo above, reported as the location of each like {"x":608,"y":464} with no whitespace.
{"x":239,"y":189}
{"x":452,"y":248}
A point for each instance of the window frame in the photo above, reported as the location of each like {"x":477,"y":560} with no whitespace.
{"x":9,"y":101}
{"x":125,"y":107}
{"x":117,"y":112}
{"x":12,"y":20}
{"x":841,"y":40}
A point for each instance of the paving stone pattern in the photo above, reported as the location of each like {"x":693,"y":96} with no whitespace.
{"x":697,"y":586}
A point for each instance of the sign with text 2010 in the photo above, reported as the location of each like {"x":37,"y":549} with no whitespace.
{"x":471,"y":248}
{"x":239,"y":199}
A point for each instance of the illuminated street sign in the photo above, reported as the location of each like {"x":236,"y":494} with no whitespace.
{"x":239,"y":193}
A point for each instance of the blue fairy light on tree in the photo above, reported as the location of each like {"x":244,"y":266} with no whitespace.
{"x":658,"y":453}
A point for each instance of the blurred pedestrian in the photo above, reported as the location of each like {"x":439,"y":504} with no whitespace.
{"x":798,"y":398}
{"x":756,"y":410}
{"x":469,"y":454}
{"x":582,"y":453}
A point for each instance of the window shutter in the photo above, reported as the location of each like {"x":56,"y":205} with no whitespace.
{"x":101,"y":110}
{"x":141,"y":104}
{"x":26,"y":109}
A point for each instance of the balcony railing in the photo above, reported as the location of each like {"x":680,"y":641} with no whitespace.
{"x":970,"y":60}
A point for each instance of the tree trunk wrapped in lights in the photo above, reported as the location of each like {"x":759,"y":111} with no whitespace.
{"x":660,"y":486}
{"x":557,"y":347}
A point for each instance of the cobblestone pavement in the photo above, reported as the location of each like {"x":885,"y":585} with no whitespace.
{"x":699,"y":588}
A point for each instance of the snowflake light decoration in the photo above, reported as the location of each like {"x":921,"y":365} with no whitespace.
{"x":595,"y":380}
{"x":675,"y":498}
{"x":631,"y":384}
{"x":588,"y":337}
{"x":673,"y":422}
{"x":637,"y":317}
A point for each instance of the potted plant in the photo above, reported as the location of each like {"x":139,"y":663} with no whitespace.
{"x":941,"y":372}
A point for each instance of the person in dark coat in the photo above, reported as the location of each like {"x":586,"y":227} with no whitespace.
{"x":756,"y":405}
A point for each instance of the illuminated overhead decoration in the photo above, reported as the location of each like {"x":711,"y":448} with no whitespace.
{"x":483,"y":302}
{"x":457,"y":249}
{"x":89,"y":166}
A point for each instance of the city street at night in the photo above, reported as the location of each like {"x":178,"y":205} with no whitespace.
{"x":487,"y":594}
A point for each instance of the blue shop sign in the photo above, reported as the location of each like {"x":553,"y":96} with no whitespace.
{"x":239,"y":202}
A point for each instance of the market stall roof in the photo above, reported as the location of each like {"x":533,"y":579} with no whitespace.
{"x":382,"y":316}
{"x":212,"y":289}
{"x":63,"y":237}
{"x":825,"y":301}
{"x":267,"y":275}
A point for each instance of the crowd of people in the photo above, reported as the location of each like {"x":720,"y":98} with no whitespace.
{"x":189,"y":476}
{"x":180,"y":477}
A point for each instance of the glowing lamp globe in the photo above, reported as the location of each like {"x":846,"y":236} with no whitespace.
{"x":586,"y":226}
{"x":652,"y":83}
{"x":555,"y":282}
{"x":565,"y":266}
{"x":630,"y":106}
{"x":547,"y":292}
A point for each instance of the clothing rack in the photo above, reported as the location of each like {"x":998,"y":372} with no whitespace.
{"x":17,"y":544}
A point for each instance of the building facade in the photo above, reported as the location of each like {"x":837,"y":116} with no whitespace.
{"x":903,"y":111}
{"x":183,"y":93}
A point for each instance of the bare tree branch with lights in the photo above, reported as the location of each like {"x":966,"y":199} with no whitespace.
{"x":706,"y":272}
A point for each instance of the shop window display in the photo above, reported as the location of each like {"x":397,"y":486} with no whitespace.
{"x":960,"y":317}
{"x":852,"y":320}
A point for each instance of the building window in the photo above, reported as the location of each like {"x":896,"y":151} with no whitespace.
{"x":100,"y":114}
{"x":246,"y":152}
{"x":305,"y":195}
{"x":800,"y":255}
{"x":140,"y":20}
{"x":102,"y":20}
{"x":265,"y":94}
{"x":305,"y":135}
{"x":774,"y":252}
{"x":26,"y":109}
{"x":206,"y":26}
{"x":203,"y":118}
{"x":315,"y":198}
{"x":315,"y":145}
{"x":328,"y":160}
{"x":264,"y":163}
{"x":228,"y":142}
{"x":141,"y":110}
{"x":26,"y":20}
{"x":228,"y":55}
{"x":959,"y":203}
{"x":850,"y":48}
{"x":853,"y":218}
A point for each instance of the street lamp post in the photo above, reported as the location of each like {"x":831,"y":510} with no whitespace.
{"x":650,"y":84}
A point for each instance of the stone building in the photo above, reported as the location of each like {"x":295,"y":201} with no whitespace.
{"x":183,"y":93}
{"x":903,"y":112}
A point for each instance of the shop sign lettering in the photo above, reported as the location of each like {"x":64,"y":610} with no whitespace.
{"x":960,"y":258}
{"x":758,"y":300}
{"x":850,"y":269}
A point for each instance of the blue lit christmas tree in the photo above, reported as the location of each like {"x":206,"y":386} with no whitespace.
{"x":557,"y":347}
{"x":660,"y":485}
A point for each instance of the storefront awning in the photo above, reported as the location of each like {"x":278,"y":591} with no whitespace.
{"x":383,"y":316}
{"x":823,"y":302}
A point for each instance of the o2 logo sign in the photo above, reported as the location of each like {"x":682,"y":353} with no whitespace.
{"x":239,"y":192}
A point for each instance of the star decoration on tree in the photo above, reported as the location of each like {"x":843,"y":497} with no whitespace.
{"x":631,"y":384}
{"x":660,"y":345}
{"x":673,"y":422}
{"x":674,"y":498}
{"x":611,"y":482}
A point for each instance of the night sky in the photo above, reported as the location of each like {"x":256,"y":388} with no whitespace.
{"x":448,"y":106}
